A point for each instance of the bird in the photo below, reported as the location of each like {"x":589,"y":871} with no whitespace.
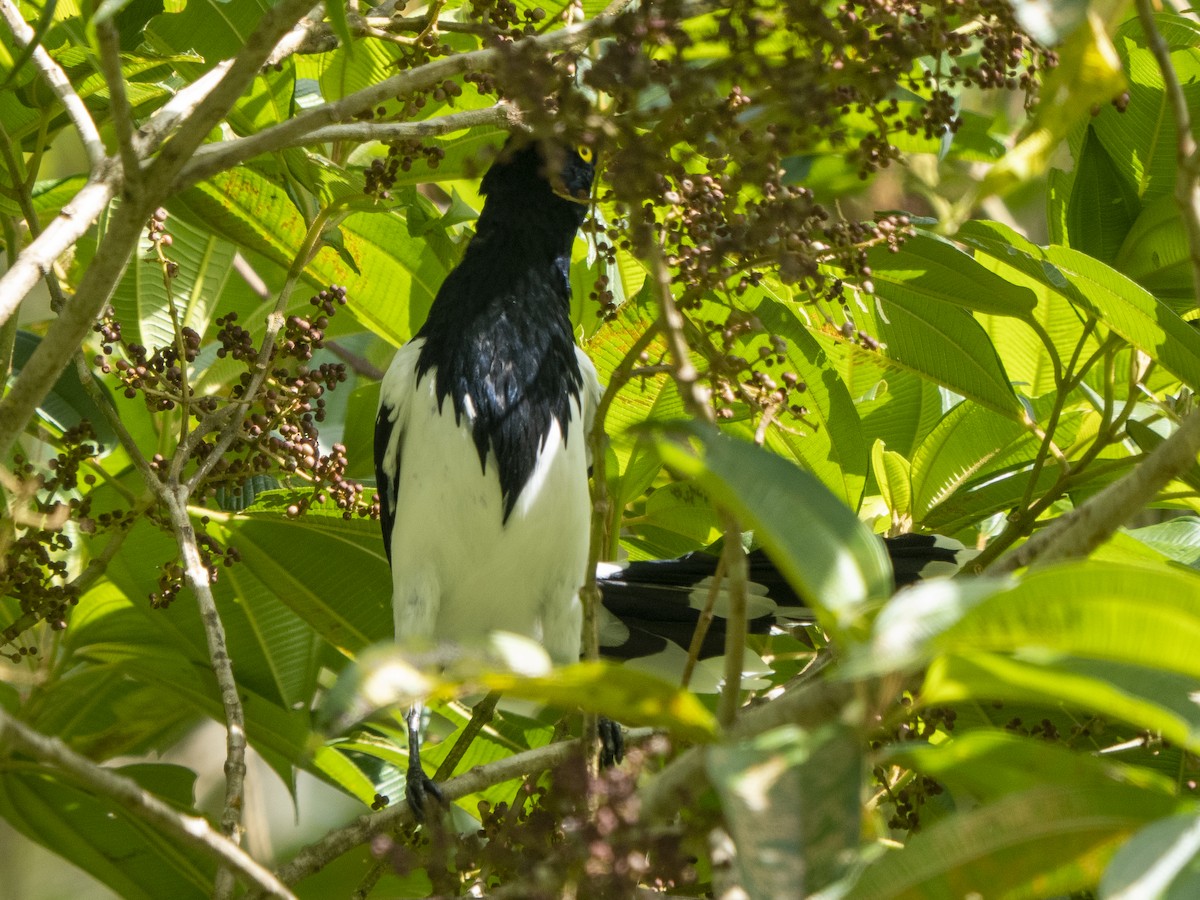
{"x":481,"y":438}
{"x":482,"y":459}
{"x":650,"y":608}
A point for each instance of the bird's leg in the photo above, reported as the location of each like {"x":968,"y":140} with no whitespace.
{"x":612,"y":742}
{"x":419,"y":788}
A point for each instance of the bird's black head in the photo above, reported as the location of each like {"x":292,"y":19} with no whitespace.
{"x":542,"y":178}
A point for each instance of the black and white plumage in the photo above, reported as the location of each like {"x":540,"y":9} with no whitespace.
{"x":651,"y":608}
{"x":481,"y":438}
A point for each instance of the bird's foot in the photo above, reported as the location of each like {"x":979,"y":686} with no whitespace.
{"x":422,"y":793}
{"x":612,"y":742}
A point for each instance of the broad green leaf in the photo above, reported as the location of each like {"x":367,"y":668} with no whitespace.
{"x":213,"y":29}
{"x":1130,"y":311}
{"x":834,"y":561}
{"x":944,"y":343}
{"x":1161,"y":860}
{"x":930,"y":268}
{"x":132,"y":857}
{"x":987,"y":764}
{"x":616,"y":691}
{"x":893,"y":474}
{"x":1148,"y":698}
{"x":307,"y":561}
{"x":967,"y":439}
{"x":1045,"y":841}
{"x":140,"y":299}
{"x":67,"y":403}
{"x":895,"y":405}
{"x":396,"y":279}
{"x":827,"y":437}
{"x":1103,"y":205}
{"x":1027,"y":358}
{"x":1141,"y":139}
{"x":1177,"y":539}
{"x":791,"y":804}
{"x":1155,"y":254}
{"x":681,"y":508}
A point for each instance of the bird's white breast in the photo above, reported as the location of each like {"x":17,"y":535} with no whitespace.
{"x":459,"y":570}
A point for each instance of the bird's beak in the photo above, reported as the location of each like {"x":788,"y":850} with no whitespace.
{"x":560,"y":189}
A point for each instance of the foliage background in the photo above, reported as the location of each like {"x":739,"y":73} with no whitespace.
{"x":869,"y":267}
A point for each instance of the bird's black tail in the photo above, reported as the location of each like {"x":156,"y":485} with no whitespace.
{"x":654,"y":606}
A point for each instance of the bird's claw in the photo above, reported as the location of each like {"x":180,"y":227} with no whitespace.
{"x":419,"y":790}
{"x":612,"y":742}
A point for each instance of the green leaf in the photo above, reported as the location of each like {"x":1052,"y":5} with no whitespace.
{"x":944,"y":343}
{"x":616,"y":691}
{"x":988,"y":764}
{"x":1132,"y":312}
{"x":67,"y":403}
{"x":834,"y":561}
{"x":1161,"y":860}
{"x":135,"y":859}
{"x":1177,"y":539}
{"x":930,"y":268}
{"x":140,"y":299}
{"x":1142,"y":138}
{"x":967,"y":438}
{"x":1103,"y":205}
{"x":214,"y":29}
{"x":791,"y":804}
{"x":894,"y":476}
{"x":395,"y":281}
{"x":1155,"y":253}
{"x":1045,"y":841}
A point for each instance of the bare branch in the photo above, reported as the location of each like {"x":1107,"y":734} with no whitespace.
{"x":213,"y":158}
{"x":178,"y":108}
{"x":60,"y":85}
{"x":297,"y":129}
{"x":122,"y":114}
{"x":191,"y":831}
{"x":74,"y":321}
{"x":37,"y":260}
{"x":198,"y":579}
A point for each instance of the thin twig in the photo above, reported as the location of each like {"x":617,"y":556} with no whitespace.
{"x":319,"y":854}
{"x":198,"y":579}
{"x":192,"y":831}
{"x":213,"y":158}
{"x":737,"y":574}
{"x":57,"y":79}
{"x":122,"y":113}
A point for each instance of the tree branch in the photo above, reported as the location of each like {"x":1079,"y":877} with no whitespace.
{"x":60,"y":85}
{"x":297,"y":129}
{"x":192,"y":831}
{"x":122,"y":114}
{"x":213,"y":158}
{"x":319,"y":854}
{"x":276,"y":22}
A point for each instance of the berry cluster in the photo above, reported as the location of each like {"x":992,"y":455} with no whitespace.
{"x":34,"y":542}
{"x":549,"y":838}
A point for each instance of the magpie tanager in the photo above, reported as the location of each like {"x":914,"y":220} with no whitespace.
{"x":481,"y":455}
{"x":650,"y":609}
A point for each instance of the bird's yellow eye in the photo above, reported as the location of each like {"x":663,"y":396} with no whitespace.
{"x":585,"y":153}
